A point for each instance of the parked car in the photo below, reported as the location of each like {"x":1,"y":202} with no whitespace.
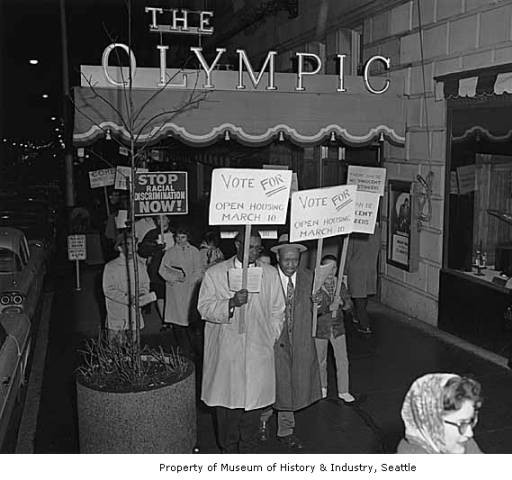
{"x":22,"y":272}
{"x":14,"y":352}
{"x":31,"y":224}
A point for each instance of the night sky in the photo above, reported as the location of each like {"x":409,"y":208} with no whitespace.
{"x":31,"y":29}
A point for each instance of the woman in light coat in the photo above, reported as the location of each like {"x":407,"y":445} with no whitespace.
{"x":181,"y":270}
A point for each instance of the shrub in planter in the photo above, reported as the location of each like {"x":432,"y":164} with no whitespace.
{"x":130,"y":406}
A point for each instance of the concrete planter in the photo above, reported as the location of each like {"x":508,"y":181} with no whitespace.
{"x":162,"y":420}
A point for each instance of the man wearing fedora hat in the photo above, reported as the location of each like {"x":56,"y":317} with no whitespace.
{"x":297,"y":372}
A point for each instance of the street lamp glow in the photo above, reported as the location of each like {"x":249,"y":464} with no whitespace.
{"x":45,"y":95}
{"x":33,"y":61}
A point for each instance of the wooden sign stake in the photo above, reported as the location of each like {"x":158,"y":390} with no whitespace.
{"x":319,"y":247}
{"x":77,"y":270}
{"x":341,"y":269}
{"x":162,"y":227}
{"x":107,"y":203}
{"x":245,"y":264}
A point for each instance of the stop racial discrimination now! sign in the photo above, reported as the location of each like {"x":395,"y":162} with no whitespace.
{"x":160,"y":193}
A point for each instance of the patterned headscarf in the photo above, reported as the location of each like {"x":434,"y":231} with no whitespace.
{"x":422,"y":411}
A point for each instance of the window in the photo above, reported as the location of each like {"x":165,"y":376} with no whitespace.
{"x":480,"y":189}
{"x":344,"y":42}
{"x":9,"y":261}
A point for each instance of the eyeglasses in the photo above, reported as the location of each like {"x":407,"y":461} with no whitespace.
{"x":464,"y":425}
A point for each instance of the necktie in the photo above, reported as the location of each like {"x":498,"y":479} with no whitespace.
{"x":289,"y":306}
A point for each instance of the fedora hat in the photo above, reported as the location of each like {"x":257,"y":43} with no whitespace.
{"x":284,"y":242}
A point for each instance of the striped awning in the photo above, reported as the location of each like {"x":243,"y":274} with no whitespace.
{"x":249,"y":116}
{"x":487,"y":92}
{"x":476,"y":83}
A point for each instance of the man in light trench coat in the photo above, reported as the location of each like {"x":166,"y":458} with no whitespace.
{"x":238,"y":369}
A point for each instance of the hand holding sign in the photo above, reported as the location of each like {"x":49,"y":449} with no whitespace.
{"x":239,"y":298}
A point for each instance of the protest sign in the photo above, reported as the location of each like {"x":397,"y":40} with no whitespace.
{"x":121,"y":218}
{"x":76,"y":247}
{"x":77,"y":251}
{"x":122,"y":175}
{"x":160,"y":193}
{"x":365,"y":214}
{"x":247,"y":197}
{"x":322,"y":212}
{"x":466,"y":179}
{"x":102,"y":178}
{"x":367,"y":179}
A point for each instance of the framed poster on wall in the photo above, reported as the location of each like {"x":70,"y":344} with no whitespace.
{"x":402,"y":237}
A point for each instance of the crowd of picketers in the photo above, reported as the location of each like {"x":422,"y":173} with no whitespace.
{"x":263,"y":352}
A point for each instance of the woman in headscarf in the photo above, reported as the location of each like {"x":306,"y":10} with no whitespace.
{"x":440,"y":411}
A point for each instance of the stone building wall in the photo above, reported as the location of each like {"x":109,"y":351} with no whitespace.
{"x":458,"y":35}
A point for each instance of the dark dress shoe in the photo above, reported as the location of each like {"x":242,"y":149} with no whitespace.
{"x":263,"y":432}
{"x":291,"y":441}
{"x":364,"y":330}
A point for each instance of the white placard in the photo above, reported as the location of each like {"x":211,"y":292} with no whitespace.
{"x":321,"y":274}
{"x":367,"y":179}
{"x":466,"y":177}
{"x":168,"y":240}
{"x":322,"y":212}
{"x":122,"y":175}
{"x":77,"y":247}
{"x":249,"y":197}
{"x":365,"y":214}
{"x":254,"y":275}
{"x":102,"y":178}
{"x":121,"y":218}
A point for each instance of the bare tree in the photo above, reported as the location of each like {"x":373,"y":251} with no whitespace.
{"x":132,"y":124}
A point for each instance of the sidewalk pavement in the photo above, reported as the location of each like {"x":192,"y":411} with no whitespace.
{"x":382,"y":368}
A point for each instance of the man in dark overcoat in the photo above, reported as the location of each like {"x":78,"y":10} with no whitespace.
{"x":297,"y":372}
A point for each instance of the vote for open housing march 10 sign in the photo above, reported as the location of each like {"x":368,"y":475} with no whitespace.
{"x":160,"y":193}
{"x":322,"y":212}
{"x":242,"y":196}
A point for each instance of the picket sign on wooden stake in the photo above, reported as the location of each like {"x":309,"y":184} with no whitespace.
{"x":162,"y":227}
{"x":107,"y":204}
{"x":319,"y":247}
{"x":245,"y":264}
{"x":77,"y":272}
{"x":341,"y":269}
